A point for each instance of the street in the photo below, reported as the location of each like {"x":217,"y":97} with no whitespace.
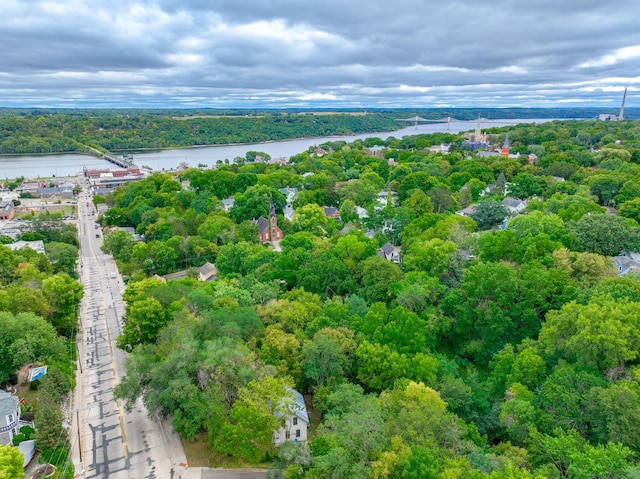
{"x":107,"y":441}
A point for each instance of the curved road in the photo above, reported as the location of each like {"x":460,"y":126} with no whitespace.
{"x":107,"y":441}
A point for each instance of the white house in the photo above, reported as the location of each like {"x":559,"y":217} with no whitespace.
{"x":390,"y":253}
{"x":362,"y":213}
{"x":296,"y":425}
{"x":515,"y":206}
{"x":289,"y":212}
{"x":289,"y":193}
{"x":9,"y":417}
{"x":228,"y":203}
{"x":37,"y":245}
{"x":383,"y":197}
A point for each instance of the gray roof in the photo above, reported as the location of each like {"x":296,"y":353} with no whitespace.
{"x":228,"y":202}
{"x":177,"y":275}
{"x":53,"y":190}
{"x":388,"y":248}
{"x":7,"y":207}
{"x":469,"y":210}
{"x":330,"y":210}
{"x":513,"y":203}
{"x":207,"y":268}
{"x":289,"y":212}
{"x":263,"y":224}
{"x":300,"y":407}
{"x":37,"y":245}
{"x":8,"y":403}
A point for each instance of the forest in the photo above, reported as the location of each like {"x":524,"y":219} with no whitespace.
{"x":501,"y":346}
{"x":33,"y":131}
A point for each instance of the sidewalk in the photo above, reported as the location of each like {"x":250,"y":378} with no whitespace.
{"x":220,"y":473}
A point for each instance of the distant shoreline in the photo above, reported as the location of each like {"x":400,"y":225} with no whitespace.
{"x":165,"y":148}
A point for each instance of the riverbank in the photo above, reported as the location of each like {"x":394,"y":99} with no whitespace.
{"x":40,"y":166}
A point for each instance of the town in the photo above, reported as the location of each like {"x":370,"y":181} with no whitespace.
{"x":440,"y":299}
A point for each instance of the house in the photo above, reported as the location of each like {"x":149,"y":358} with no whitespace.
{"x":132,"y":231}
{"x":377,"y":151}
{"x":475,"y":144}
{"x":289,"y":193}
{"x":228,"y":203}
{"x":7,"y":211}
{"x":37,"y":246}
{"x":9,"y":417}
{"x":296,"y":425}
{"x":289,"y":212}
{"x":492,"y":189}
{"x":268,"y":229}
{"x":468,"y":211}
{"x":627,"y":263}
{"x":362,"y":213}
{"x":441,"y":148}
{"x":390,"y":253}
{"x":175,"y":276}
{"x":55,"y":192}
{"x":383,"y":197}
{"x":515,"y":206}
{"x":331,"y":212}
{"x":207,"y":272}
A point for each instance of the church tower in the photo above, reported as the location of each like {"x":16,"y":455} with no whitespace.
{"x":275,"y":232}
{"x":505,"y":147}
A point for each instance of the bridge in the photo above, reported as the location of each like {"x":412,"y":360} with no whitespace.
{"x":418,"y":119}
{"x":125,"y":162}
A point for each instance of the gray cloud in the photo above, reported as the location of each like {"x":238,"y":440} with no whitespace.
{"x":412,"y":53}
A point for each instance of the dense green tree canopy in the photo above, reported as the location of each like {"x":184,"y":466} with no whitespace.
{"x":484,"y":352}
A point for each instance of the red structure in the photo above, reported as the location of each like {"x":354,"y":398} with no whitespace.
{"x":268,"y":229}
{"x":505,"y":148}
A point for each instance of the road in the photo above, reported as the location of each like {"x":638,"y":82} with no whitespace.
{"x":107,"y":441}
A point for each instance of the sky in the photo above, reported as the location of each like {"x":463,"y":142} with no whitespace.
{"x":319,"y":53}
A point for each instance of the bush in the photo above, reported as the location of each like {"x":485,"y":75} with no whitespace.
{"x":26,"y":434}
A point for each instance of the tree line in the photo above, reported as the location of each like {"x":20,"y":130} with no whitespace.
{"x":83,"y":131}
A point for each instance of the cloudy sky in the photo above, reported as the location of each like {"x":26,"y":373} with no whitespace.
{"x":324,"y":53}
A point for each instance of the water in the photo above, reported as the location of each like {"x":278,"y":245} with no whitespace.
{"x":45,"y":166}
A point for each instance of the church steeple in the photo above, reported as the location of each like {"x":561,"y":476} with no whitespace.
{"x":272,"y":208}
{"x":505,"y":147}
{"x":275,"y":232}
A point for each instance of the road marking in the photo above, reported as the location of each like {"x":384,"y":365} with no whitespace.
{"x":113,"y":363}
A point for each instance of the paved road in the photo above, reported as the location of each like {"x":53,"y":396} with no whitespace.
{"x":108,"y":442}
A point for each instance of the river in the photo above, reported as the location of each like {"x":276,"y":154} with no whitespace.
{"x":45,"y":166}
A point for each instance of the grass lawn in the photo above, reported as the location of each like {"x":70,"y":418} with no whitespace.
{"x":64,"y":209}
{"x":199,"y":455}
{"x":197,"y":450}
{"x":31,"y":397}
